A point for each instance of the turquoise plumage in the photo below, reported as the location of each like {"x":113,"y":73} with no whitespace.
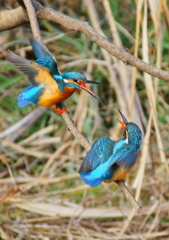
{"x":111,"y":160}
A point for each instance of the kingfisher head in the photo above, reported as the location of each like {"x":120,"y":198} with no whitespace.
{"x":78,"y":80}
{"x":132,"y":132}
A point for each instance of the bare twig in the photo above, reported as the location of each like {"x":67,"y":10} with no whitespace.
{"x":129,"y":196}
{"x":16,"y":17}
{"x":71,"y":126}
{"x":33,"y":20}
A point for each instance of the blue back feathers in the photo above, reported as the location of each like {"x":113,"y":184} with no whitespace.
{"x":107,"y":156}
{"x":44,"y":57}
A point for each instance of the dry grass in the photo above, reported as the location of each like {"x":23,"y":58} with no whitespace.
{"x":42,"y":196}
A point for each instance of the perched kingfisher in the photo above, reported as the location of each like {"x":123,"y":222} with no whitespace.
{"x":111,"y":160}
{"x":49,"y":86}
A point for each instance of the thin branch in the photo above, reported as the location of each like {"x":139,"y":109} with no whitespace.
{"x":16,"y":17}
{"x":129,"y":196}
{"x":33,"y":20}
{"x":69,"y":122}
{"x":72,"y":128}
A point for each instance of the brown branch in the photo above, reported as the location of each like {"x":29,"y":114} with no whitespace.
{"x":16,"y":17}
{"x":33,"y":20}
{"x":129,"y":196}
{"x":69,"y":122}
{"x":73,"y":129}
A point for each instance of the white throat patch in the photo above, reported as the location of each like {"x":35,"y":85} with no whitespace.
{"x":65,"y":80}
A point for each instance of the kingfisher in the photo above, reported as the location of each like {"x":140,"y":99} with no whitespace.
{"x":48,"y":85}
{"x":111,"y":160}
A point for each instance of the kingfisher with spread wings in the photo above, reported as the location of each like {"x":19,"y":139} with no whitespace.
{"x":48,"y":85}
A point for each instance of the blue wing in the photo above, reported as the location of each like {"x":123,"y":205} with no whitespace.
{"x":40,"y":50}
{"x":100,"y":152}
{"x":29,"y":95}
{"x":44,"y":57}
{"x":124,"y":157}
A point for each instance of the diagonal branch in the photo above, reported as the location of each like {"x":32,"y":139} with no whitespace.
{"x":16,"y":17}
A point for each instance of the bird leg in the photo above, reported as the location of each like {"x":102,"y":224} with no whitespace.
{"x":60,"y":111}
{"x":120,"y":180}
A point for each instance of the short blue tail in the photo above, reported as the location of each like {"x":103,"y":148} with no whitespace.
{"x":93,"y":182}
{"x":29,"y":95}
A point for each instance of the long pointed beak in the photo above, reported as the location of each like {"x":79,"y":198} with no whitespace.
{"x":83,"y":86}
{"x":89,"y":81}
{"x":125,"y":122}
{"x":124,"y":118}
{"x":122,"y":123}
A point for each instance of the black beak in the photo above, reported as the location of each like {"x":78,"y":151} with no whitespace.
{"x":124,"y":119}
{"x":88,"y":81}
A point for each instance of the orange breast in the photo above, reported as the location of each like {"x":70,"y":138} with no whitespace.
{"x":44,"y":76}
{"x":119,"y":174}
{"x":52,"y":95}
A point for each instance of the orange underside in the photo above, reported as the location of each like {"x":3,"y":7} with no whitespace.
{"x":51,"y":95}
{"x":118,"y":175}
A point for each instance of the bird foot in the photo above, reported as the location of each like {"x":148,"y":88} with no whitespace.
{"x":58,"y":111}
{"x":120,"y":180}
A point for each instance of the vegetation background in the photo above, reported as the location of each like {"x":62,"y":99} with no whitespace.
{"x":42,"y":196}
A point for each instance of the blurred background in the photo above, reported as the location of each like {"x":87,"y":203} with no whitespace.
{"x":42,"y":196}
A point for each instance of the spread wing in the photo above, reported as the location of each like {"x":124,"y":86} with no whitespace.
{"x":24,"y":66}
{"x":101,"y":151}
{"x":37,"y":75}
{"x":44,"y":57}
{"x":40,"y":50}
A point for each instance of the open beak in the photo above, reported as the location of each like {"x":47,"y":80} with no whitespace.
{"x":125,"y":122}
{"x":83,"y":86}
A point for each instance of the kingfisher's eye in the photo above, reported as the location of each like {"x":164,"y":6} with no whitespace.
{"x":75,"y":80}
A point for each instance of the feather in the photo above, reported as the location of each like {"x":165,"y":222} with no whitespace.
{"x":100,"y":152}
{"x":24,"y":66}
{"x":40,"y":50}
{"x":44,"y":57}
{"x":29,"y":95}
